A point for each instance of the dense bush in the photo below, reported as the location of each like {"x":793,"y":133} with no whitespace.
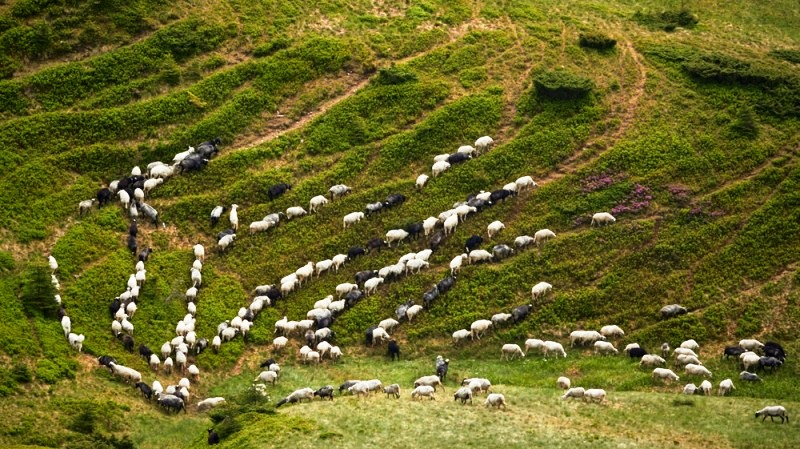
{"x":37,"y":291}
{"x":786,"y":54}
{"x":598,"y":41}
{"x":666,"y":20}
{"x":562,"y":85}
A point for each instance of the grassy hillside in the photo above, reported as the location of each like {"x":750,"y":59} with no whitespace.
{"x":686,"y":130}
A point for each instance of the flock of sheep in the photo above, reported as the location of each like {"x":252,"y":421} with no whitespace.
{"x":315,"y":330}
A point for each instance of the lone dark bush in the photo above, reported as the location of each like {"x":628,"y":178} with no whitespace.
{"x":786,"y":54}
{"x":666,"y":20}
{"x":598,"y":41}
{"x":562,"y":85}
{"x":395,"y":75}
{"x":38,"y":292}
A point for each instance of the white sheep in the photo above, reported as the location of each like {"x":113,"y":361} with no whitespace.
{"x":260,"y":226}
{"x":335,"y":353}
{"x":395,"y":235}
{"x":424,"y":255}
{"x":365,"y":387}
{"x":482,"y":144}
{"x":439,"y":168}
{"x":523,"y":241}
{"x":690,"y":344}
{"x":345,"y":288}
{"x":525,"y":183}
{"x":495,"y":400}
{"x":697,"y":370}
{"x":423,"y":391}
{"x":511,"y":187}
{"x":602,"y":218}
{"x":456,"y":263}
{"x":141,"y":277}
{"x":279,"y":343}
{"x":130,"y":309}
{"x":197,"y":278}
{"x":665,"y":374}
{"x":612,"y":331}
{"x":575,"y":392}
{"x":479,"y":327}
{"x":154,"y":362}
{"x":288,"y":287}
{"x":388,"y":324}
{"x":421,"y":181}
{"x":705,"y":386}
{"x":533,"y":343}
{"x":725,"y":387}
{"x":510,"y":350}
{"x":450,"y":224}
{"x":225,"y":242}
{"x":772,"y":411}
{"x":66,"y":325}
{"x":540,"y":289}
{"x":464,"y":210}
{"x":429,"y":381}
{"x":52,"y":263}
{"x":323,"y":348}
{"x":352,"y":218}
{"x":543,"y":235}
{"x":86,"y":205}
{"x":604,"y":347}
{"x":685,"y":359}
{"x":494,"y":227}
{"x":413,"y":311}
{"x":76,"y":341}
{"x":124,"y":199}
{"x":317,"y":202}
{"x":324,"y":302}
{"x":555,"y":347}
{"x":466,"y":149}
{"x":594,"y":394}
{"x":161,"y":171}
{"x":206,"y":404}
{"x":500,"y":318}
{"x":441,"y":157}
{"x":191,"y":293}
{"x":684,"y":351}
{"x":584,"y":337}
{"x":313,"y":356}
{"x":129,"y":375}
{"x":267,"y":377}
{"x":295,"y":211}
{"x":563,"y":383}
{"x":304,"y":272}
{"x":379,"y":333}
{"x":229,"y":333}
{"x":460,"y":334}
{"x":429,"y":224}
{"x":234,"y":217}
{"x":750,"y":344}
{"x":415,"y":265}
{"x":199,"y":252}
{"x":337,"y":306}
{"x":652,"y":360}
{"x":479,"y":255}
{"x":630,"y":346}
{"x":749,"y":360}
{"x":690,"y":389}
{"x":322,"y":266}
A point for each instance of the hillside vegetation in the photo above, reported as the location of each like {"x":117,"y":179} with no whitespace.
{"x":684,"y":124}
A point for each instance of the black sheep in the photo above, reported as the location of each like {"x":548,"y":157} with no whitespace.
{"x":346,"y":386}
{"x":103,"y":196}
{"x":521,"y":312}
{"x":364,"y":276}
{"x":221,"y":234}
{"x":441,"y":369}
{"x":394,"y":350}
{"x":769,"y":362}
{"x":201,"y":346}
{"x":213,"y":437}
{"x":375,"y":244}
{"x":732,"y":351}
{"x":267,"y":363}
{"x":132,"y":246}
{"x":145,"y":254}
{"x":133,"y":229}
{"x":445,"y":284}
{"x":145,"y":389}
{"x":500,"y":195}
{"x":473,"y":242}
{"x":172,"y":402}
{"x":321,"y":322}
{"x":429,"y":296}
{"x":277,"y":190}
{"x":772,"y":349}
{"x":478,"y":203}
{"x":127,"y":342}
{"x":325,"y":392}
{"x":310,"y":337}
{"x":145,"y":352}
{"x":414,"y":229}
{"x":436,"y":239}
{"x":457,"y":158}
{"x":355,"y":252}
{"x":400,"y":312}
{"x":106,"y":360}
{"x":637,"y":353}
{"x":352,"y":298}
{"x":368,"y":335}
{"x":192,"y":163}
{"x":394,"y":199}
{"x":115,"y":305}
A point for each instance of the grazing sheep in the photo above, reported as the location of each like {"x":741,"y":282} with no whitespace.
{"x":388,"y":324}
{"x":317,"y":202}
{"x":429,"y":224}
{"x":652,"y":360}
{"x":533,"y":343}
{"x":772,"y":411}
{"x":575,"y":392}
{"x":684,"y":351}
{"x":412,"y":311}
{"x":552,"y":346}
{"x":344,"y":288}
{"x":421,"y":181}
{"x":672,"y":310}
{"x":749,"y":360}
{"x":523,"y":241}
{"x":379,"y":333}
{"x":76,"y":341}
{"x":295,"y":211}
{"x":542,"y":235}
{"x":364,"y":387}
{"x":479,"y":255}
{"x":439,"y":168}
{"x":502,"y":251}
{"x":297,"y":396}
{"x":500,"y":318}
{"x":456,"y":263}
{"x":690,"y":389}
{"x":206,"y":404}
{"x":509,"y":351}
{"x":540,"y":289}
{"x":464,"y":394}
{"x":414,"y":266}
{"x":594,"y":394}
{"x":602,"y":218}
{"x":483,"y":144}
{"x":630,"y":346}
{"x":697,"y":370}
{"x":750,"y":377}
{"x":563,"y":383}
{"x":423,"y":391}
{"x":260,"y":226}
{"x":690,"y":344}
{"x":86,"y":205}
{"x":479,"y":327}
{"x":525,"y":183}
{"x":395,"y":235}
{"x":495,"y":400}
{"x":604,"y":347}
{"x":725,"y":387}
{"x":665,"y":374}
{"x":66,"y":325}
{"x":450,"y":224}
{"x":431,"y":381}
{"x":685,"y":359}
{"x":322,"y":266}
{"x":494,"y":227}
{"x":612,"y":331}
{"x":581,"y":338}
{"x":751,"y":345}
{"x":734,"y":351}
{"x":460,"y":334}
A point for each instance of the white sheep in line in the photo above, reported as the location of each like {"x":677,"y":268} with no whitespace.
{"x":460,"y":334}
{"x":441,"y":157}
{"x":166,"y":349}
{"x":456,"y":263}
{"x":690,"y":344}
{"x":429,"y":224}
{"x":288,"y":287}
{"x":76,"y":341}
{"x":234,"y":217}
{"x":124,"y":199}
{"x":52,"y":263}
{"x":365,"y":387}
{"x":684,"y":351}
{"x":479,"y":255}
{"x":150,"y":184}
{"x":466,"y":149}
{"x":423,"y":391}
{"x":439,"y":168}
{"x":322,"y":266}
{"x":772,"y":411}
{"x":553,"y":346}
{"x":482,"y":144}
{"x":267,"y":377}
{"x":215,"y":343}
{"x":495,"y":400}
{"x":594,"y":394}
{"x":413,"y":311}
{"x":575,"y":392}
{"x":154,"y":362}
{"x":199,"y":252}
{"x":690,"y":389}
{"x":161,"y":171}
{"x":581,"y":338}
{"x":225,"y":242}
{"x":511,"y":187}
{"x":450,"y":224}
{"x":295,"y":211}
{"x":540,"y":289}
{"x":533,"y":343}
{"x":337,"y":306}
{"x":665,"y":374}
{"x":525,"y":183}
{"x":705,"y":386}
{"x":651,"y":360}
{"x":305,"y":272}
{"x":345,"y":288}
{"x":685,"y":359}
{"x":523,"y":241}
{"x":494,"y":227}
{"x":500,"y":318}
{"x":511,"y":350}
{"x":563,"y":383}
{"x":85,"y":206}
{"x":352,"y":218}
{"x":604,"y":347}
{"x":279,"y":343}
{"x":697,"y":370}
{"x":416,"y":265}
{"x":395,"y":235}
{"x":750,"y":344}
{"x":324,"y":302}
{"x":464,"y":210}
{"x":260,"y":226}
{"x":388,"y":324}
{"x":725,"y":387}
{"x":602,"y":218}
{"x":421,"y":181}
{"x":477,"y":384}
{"x":612,"y":330}
{"x":543,"y":235}
{"x":317,"y":202}
{"x":429,"y":381}
{"x":191,"y":293}
{"x":129,"y":375}
{"x":479,"y":327}
{"x":130,"y":309}
{"x":424,"y":255}
{"x":66,"y":325}
{"x":206,"y":404}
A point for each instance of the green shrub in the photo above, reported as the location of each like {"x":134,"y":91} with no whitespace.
{"x":21,"y":373}
{"x":6,"y":261}
{"x":666,"y":20}
{"x":270,"y":47}
{"x":395,"y":75}
{"x":596,"y":40}
{"x":562,"y":85}
{"x":50,"y":372}
{"x":38,"y":292}
{"x":786,"y":54}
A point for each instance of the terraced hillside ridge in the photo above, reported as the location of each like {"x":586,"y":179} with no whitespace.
{"x":682,"y":124}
